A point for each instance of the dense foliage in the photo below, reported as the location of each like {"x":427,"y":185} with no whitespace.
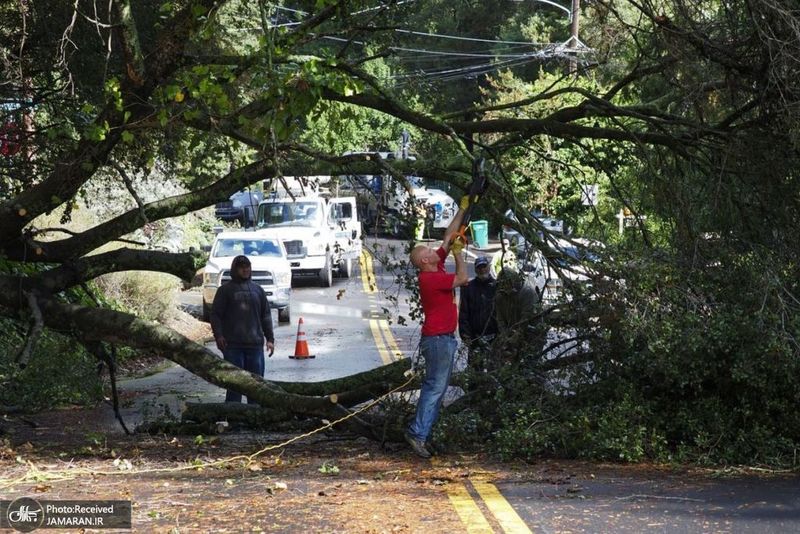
{"x":683,"y":114}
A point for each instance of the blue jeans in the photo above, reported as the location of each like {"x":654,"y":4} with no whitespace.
{"x":248,"y":358}
{"x":438,"y":352}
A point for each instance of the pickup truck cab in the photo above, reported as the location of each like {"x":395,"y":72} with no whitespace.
{"x":321,"y":235}
{"x":270,"y":269}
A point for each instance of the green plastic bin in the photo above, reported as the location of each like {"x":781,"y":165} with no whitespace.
{"x":480,"y":233}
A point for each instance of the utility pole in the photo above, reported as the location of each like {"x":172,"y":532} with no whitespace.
{"x":573,"y":38}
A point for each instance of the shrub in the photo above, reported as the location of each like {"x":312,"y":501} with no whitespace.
{"x":58,"y":372}
{"x":149,"y":295}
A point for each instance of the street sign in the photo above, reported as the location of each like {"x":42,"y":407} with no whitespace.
{"x":589,"y":194}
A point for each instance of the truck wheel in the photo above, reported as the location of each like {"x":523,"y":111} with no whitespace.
{"x":206,"y":312}
{"x":346,"y":268}
{"x":326,"y":273}
{"x":284,"y":315}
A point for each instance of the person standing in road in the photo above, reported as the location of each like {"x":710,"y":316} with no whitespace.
{"x":504,"y":259}
{"x":438,"y":343}
{"x":477,"y":324}
{"x":241,"y":320}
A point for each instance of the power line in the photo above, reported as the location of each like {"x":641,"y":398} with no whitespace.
{"x":498,"y":55}
{"x":456,"y":54}
{"x":469,"y":71}
{"x":429,"y":34}
{"x":475,"y":39}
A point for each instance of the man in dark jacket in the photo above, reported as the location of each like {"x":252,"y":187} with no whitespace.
{"x":477,"y":325}
{"x":241,"y":320}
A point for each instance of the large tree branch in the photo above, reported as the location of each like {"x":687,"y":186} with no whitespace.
{"x":525,"y":127}
{"x":129,"y":40}
{"x":392,"y":108}
{"x":84,"y":242}
{"x":96,"y":324}
{"x":182,"y":265}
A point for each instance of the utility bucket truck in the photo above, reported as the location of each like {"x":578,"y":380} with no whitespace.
{"x":385,"y":203}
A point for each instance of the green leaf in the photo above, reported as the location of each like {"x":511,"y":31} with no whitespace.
{"x":127,"y":137}
{"x":171,"y":91}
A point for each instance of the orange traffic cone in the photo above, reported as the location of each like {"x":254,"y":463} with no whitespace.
{"x":301,"y":347}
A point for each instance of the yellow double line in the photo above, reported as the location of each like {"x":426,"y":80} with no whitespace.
{"x":462,"y":500}
{"x":471,"y":515}
{"x":384,"y":340}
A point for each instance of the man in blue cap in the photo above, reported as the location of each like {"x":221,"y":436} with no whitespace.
{"x":477,"y":324}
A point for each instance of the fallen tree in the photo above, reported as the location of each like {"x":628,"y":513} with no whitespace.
{"x":181,"y":90}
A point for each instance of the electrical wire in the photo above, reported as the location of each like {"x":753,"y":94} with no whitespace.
{"x":472,"y":39}
{"x":429,"y":34}
{"x":502,"y":57}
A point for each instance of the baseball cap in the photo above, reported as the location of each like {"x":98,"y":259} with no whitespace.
{"x":481,"y":261}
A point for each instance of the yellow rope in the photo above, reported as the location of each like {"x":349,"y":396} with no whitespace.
{"x":36,"y":475}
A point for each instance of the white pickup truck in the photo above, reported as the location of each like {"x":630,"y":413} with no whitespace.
{"x":321,"y":235}
{"x":270,"y":269}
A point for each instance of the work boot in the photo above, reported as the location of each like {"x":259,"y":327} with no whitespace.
{"x":417,"y":445}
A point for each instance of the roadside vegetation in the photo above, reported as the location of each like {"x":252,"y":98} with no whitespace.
{"x":683,"y":116}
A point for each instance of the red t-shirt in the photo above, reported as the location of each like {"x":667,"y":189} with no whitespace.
{"x":438,"y":299}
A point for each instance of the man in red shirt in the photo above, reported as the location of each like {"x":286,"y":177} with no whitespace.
{"x":438,"y":344}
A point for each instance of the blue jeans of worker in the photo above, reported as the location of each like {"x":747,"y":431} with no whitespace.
{"x":438,"y":352}
{"x":248,"y":358}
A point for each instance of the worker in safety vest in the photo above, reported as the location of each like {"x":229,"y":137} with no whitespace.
{"x":503,"y":259}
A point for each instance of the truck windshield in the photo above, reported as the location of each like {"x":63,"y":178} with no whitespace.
{"x":249,"y":247}
{"x":274,"y":214}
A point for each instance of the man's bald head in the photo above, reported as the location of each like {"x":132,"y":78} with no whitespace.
{"x":425,"y":258}
{"x":416,"y":255}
